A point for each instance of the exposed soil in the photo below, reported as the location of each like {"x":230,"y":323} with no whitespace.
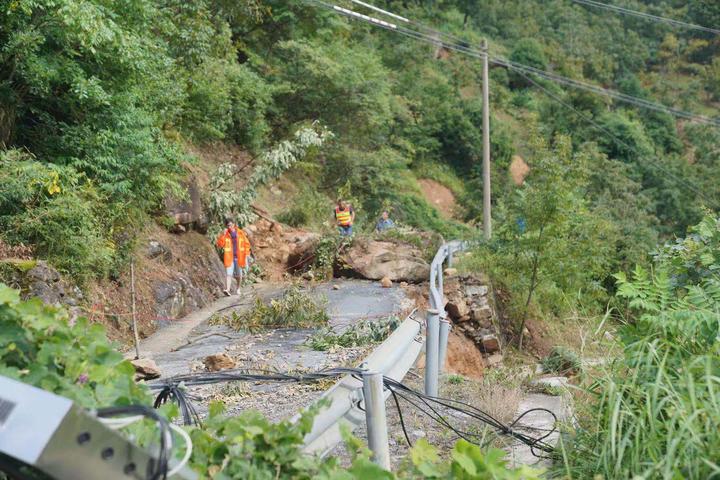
{"x":464,"y":357}
{"x":518,"y":170}
{"x":19,"y":252}
{"x":439,"y":196}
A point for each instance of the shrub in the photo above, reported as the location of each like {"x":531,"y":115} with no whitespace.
{"x":58,"y":211}
{"x":294,"y":309}
{"x":362,"y":333}
{"x":654,"y":411}
{"x":563,"y":361}
{"x":527,"y":51}
{"x":309,"y":207}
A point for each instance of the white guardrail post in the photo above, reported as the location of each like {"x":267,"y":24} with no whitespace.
{"x":432,"y":344}
{"x":376,"y":419}
{"x":443,"y":341}
{"x":392,"y":359}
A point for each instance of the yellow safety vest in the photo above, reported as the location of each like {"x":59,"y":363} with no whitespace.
{"x":344,"y":217}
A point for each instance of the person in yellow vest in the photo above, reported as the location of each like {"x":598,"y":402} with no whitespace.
{"x":236,"y":253}
{"x":344,"y":217}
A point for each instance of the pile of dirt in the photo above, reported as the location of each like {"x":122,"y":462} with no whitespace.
{"x":518,"y":170}
{"x":463,"y":356}
{"x":281,"y":250}
{"x":439,"y":196}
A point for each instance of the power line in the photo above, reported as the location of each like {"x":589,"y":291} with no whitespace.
{"x":524,"y":70}
{"x":647,"y":16}
{"x":690,"y":186}
{"x":467,"y":50}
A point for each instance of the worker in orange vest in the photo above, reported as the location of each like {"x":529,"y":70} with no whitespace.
{"x":236,"y":254}
{"x":344,"y":217}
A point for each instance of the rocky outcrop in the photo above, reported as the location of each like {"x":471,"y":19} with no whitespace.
{"x":469,"y":305}
{"x":188,"y":212}
{"x":36,"y":278}
{"x":375,"y":260}
{"x":177,"y":297}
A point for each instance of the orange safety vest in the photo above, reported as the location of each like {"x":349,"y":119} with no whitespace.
{"x":224,"y":241}
{"x":343,"y":217}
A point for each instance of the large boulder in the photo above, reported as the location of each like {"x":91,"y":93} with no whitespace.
{"x":375,"y":260}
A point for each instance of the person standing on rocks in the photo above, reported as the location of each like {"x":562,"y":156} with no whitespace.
{"x":385,"y":222}
{"x":344,"y":217}
{"x":236,"y":249}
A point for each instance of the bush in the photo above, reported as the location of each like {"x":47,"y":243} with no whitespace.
{"x":58,"y":211}
{"x":358,"y":334}
{"x":295,"y":309}
{"x":527,"y":51}
{"x":653,"y":412}
{"x":563,"y":361}
{"x":309,"y":207}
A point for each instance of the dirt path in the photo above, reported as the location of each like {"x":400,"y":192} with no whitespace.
{"x":439,"y":196}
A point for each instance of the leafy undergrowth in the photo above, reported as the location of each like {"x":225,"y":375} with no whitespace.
{"x":654,"y":413}
{"x":41,"y":347}
{"x":563,"y":361}
{"x":358,"y":334}
{"x":295,"y":309}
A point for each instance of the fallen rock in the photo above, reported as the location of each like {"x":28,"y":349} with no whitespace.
{"x":494,"y":360}
{"x":476,"y":290}
{"x":482,"y":315}
{"x":451,"y":272}
{"x":219,"y":361}
{"x":156,"y":249}
{"x":336,"y":287}
{"x":386,"y":282}
{"x":42,"y":272}
{"x":490,"y":343}
{"x":456,"y":306}
{"x":374,"y":260}
{"x":145,"y":369}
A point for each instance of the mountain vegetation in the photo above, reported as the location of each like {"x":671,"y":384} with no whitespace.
{"x":101,"y":103}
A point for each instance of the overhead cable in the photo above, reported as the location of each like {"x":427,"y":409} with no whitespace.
{"x":473,"y":52}
{"x":647,"y":16}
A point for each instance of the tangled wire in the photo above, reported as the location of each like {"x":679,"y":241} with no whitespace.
{"x":174,"y":389}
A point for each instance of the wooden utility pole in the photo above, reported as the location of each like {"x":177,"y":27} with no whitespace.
{"x":487,"y":219}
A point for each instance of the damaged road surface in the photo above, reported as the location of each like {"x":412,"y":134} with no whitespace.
{"x":183,"y":347}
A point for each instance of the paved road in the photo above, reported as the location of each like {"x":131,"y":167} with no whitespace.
{"x":177,"y":347}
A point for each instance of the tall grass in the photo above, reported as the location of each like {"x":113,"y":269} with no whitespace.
{"x":656,"y":412}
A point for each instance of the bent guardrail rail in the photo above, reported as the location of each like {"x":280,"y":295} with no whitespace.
{"x":393,"y":358}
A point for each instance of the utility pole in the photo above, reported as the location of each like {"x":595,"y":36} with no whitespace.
{"x":487,"y":219}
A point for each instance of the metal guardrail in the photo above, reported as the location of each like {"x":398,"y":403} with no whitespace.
{"x":393,"y":359}
{"x":438,"y":325}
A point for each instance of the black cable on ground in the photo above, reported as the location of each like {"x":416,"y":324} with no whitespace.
{"x":407,"y":394}
{"x":174,"y":389}
{"x":176,"y":393}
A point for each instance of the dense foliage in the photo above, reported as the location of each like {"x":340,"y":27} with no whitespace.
{"x":105,"y":94}
{"x":655,"y":411}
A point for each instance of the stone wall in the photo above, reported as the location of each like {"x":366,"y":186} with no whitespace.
{"x":470,"y":306}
